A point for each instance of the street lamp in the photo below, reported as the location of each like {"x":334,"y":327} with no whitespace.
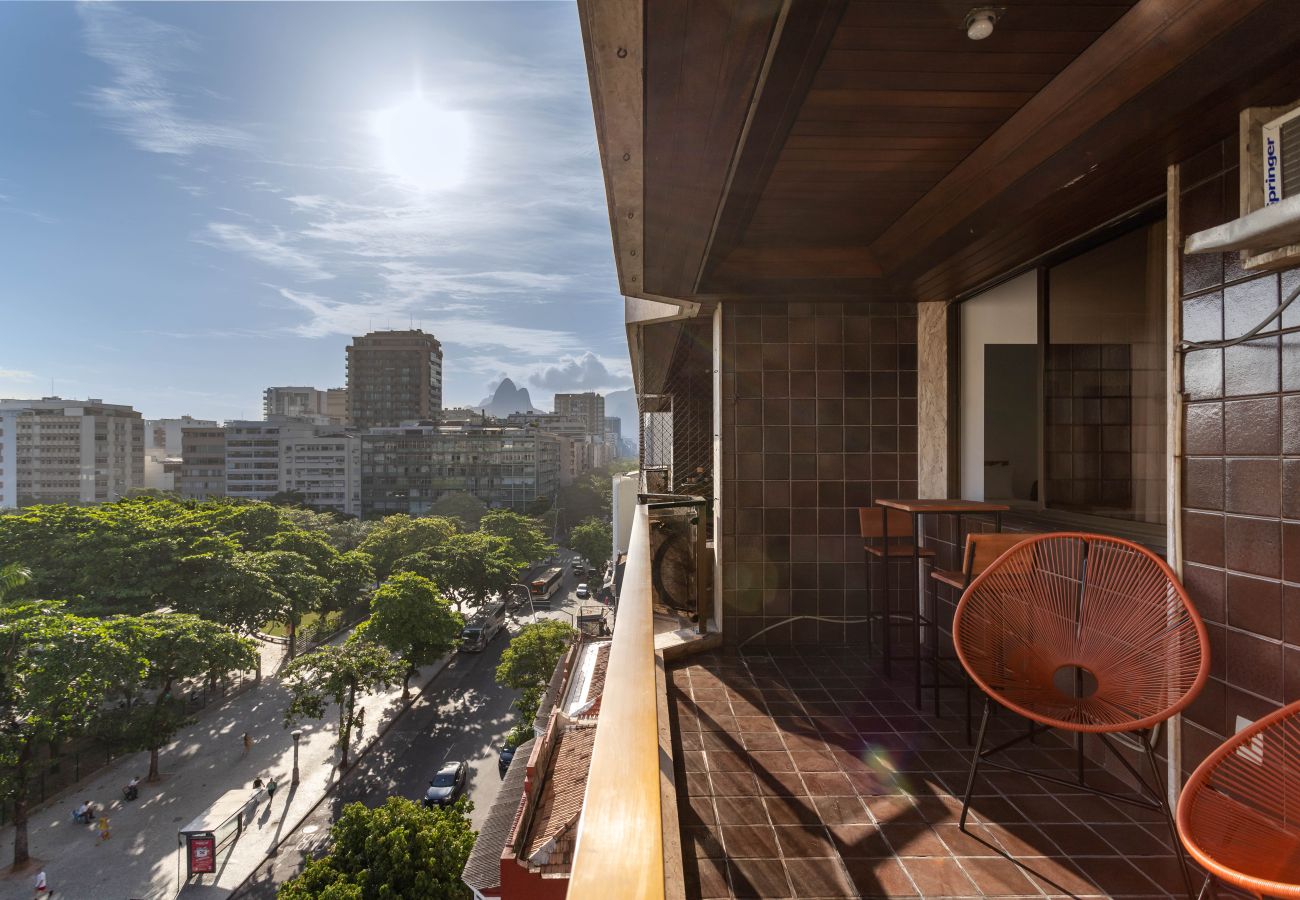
{"x":528,"y":592}
{"x":297,"y":736}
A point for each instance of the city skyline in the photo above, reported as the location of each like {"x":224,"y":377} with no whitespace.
{"x":209,"y":208}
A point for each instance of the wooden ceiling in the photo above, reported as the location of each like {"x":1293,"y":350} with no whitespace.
{"x":868,"y":148}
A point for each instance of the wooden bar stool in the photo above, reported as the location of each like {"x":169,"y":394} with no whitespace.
{"x":982,"y":550}
{"x":886,"y":541}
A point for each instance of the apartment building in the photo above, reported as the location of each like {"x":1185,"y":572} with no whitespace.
{"x":163,"y":448}
{"x":405,"y":469}
{"x":312,"y":404}
{"x":69,"y":451}
{"x":325,"y":467}
{"x":580,"y":450}
{"x":589,"y":407}
{"x":202,"y":471}
{"x":394,"y":377}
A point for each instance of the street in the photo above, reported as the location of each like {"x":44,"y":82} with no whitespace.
{"x":464,"y":714}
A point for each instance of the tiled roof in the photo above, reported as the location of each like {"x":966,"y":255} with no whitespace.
{"x":483,"y":868}
{"x":550,"y":839}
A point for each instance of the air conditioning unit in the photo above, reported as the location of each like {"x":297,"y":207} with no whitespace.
{"x":1280,"y":157}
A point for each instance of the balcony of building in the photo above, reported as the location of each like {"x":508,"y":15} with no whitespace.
{"x":869,"y":257}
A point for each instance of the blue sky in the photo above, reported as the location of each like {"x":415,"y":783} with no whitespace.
{"x":200,"y":200}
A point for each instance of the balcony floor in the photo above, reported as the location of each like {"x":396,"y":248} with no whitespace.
{"x":806,"y":774}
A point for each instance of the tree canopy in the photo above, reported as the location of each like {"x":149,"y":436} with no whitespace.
{"x":528,"y":542}
{"x":56,"y":668}
{"x":533,"y":653}
{"x":460,"y":505}
{"x":400,"y":849}
{"x":175,"y":646}
{"x":338,"y":674}
{"x":468,"y":568}
{"x":593,"y":540}
{"x":410,"y":618}
{"x":395,"y":537}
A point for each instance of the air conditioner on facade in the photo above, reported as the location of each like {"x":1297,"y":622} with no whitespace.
{"x":1280,"y":157}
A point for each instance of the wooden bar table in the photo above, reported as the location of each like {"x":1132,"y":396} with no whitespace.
{"x":918,"y":508}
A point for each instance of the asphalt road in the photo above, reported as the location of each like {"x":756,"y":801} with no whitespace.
{"x":464,"y":714}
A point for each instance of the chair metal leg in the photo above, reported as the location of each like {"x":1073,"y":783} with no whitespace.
{"x":974,"y":766}
{"x":1163,"y":797}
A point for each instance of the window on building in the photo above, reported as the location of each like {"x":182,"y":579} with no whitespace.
{"x":1062,"y":385}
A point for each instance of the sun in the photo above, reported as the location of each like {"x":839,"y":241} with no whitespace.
{"x":423,"y":145}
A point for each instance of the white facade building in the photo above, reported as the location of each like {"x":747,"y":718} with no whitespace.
{"x":69,"y":451}
{"x":307,"y":403}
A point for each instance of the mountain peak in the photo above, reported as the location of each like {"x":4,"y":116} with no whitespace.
{"x":507,"y":399}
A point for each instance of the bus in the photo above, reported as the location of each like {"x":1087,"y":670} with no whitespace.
{"x":545,"y":585}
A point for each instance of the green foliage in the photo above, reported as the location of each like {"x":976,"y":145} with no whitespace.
{"x":176,"y":646}
{"x":528,"y":702}
{"x":295,"y":589}
{"x":398,"y":850}
{"x":55,"y":671}
{"x":342,"y":532}
{"x":12,"y":578}
{"x":410,"y":618}
{"x":338,"y":674}
{"x":533,"y":654}
{"x":528,"y":542}
{"x":468,"y":568}
{"x":588,"y":497}
{"x":395,"y":537}
{"x":593,"y":540}
{"x":521,"y":733}
{"x":353,"y":575}
{"x":462,"y":506}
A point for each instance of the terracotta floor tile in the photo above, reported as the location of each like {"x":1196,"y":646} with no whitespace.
{"x":859,"y":841}
{"x":814,"y":761}
{"x":939,"y":876}
{"x":761,"y":740}
{"x":974,"y":841}
{"x":749,"y":841}
{"x":1077,"y":840}
{"x":727,"y":760}
{"x":740,"y":811}
{"x":759,"y":878}
{"x":914,"y":839}
{"x":828,"y":784}
{"x":771,"y":761}
{"x":997,"y":876}
{"x":792,"y":811}
{"x":702,"y":841}
{"x":1040,"y":809}
{"x":732,"y":784}
{"x":1055,"y":875}
{"x":1115,"y":876}
{"x":891,"y":809}
{"x":1133,"y":840}
{"x":697,"y":810}
{"x":712,"y":879}
{"x":880,"y":878}
{"x":825,"y":877}
{"x":804,"y":840}
{"x":841,"y":810}
{"x":782,"y":784}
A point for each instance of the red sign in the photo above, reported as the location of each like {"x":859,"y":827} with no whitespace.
{"x":203,"y":853}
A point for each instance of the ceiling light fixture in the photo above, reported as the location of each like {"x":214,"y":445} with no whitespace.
{"x":980,"y":22}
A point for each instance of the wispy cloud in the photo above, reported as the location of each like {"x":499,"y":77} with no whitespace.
{"x":273,"y":249}
{"x":141,"y":102}
{"x":17,"y":375}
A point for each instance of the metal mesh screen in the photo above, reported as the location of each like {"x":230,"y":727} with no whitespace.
{"x":677,"y":423}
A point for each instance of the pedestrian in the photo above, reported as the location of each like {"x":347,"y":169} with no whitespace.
{"x":248,"y":743}
{"x":257,"y":784}
{"x":270,"y":789}
{"x":105,"y":829}
{"x":42,"y":889}
{"x":361,"y":720}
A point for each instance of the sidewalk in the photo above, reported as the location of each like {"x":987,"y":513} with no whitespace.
{"x":141,"y":859}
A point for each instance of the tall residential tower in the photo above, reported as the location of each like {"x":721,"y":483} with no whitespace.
{"x":394,"y":377}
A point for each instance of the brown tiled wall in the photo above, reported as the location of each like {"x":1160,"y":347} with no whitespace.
{"x":1241,"y":484}
{"x":818,"y":418}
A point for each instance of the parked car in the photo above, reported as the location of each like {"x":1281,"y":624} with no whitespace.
{"x":480,"y":631}
{"x":582,"y":592}
{"x":447,"y":784}
{"x":503,"y":761}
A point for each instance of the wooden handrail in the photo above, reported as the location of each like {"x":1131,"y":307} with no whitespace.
{"x":620,"y":849}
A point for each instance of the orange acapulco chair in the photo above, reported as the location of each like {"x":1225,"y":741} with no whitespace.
{"x":1090,"y":635}
{"x":1239,"y":813}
